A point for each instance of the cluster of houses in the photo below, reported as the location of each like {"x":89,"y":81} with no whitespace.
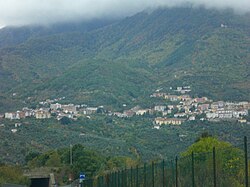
{"x":26,"y":112}
{"x":72,"y":111}
{"x":56,"y":110}
{"x":188,"y":108}
{"x":178,"y":109}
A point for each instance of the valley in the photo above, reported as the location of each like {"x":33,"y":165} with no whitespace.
{"x":117,"y":93}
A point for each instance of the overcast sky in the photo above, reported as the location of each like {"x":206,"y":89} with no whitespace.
{"x":23,"y":12}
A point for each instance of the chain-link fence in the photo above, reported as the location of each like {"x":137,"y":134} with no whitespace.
{"x":220,"y":168}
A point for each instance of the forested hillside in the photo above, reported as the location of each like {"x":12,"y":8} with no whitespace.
{"x":127,"y":60}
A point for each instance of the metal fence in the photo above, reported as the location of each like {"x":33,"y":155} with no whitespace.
{"x":219,"y":168}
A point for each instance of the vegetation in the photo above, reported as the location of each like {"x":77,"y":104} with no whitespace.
{"x":102,"y":145}
{"x":12,"y":174}
{"x":84,"y":160}
{"x":132,"y":137}
{"x":229,"y":161}
{"x":168,"y":47}
{"x":123,"y":63}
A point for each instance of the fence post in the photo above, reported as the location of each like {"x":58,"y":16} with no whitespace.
{"x":115,"y":179}
{"x":102,"y":181}
{"x":98,"y":181}
{"x":163,"y":173}
{"x":145,"y":175}
{"x":92,"y":183}
{"x":118,"y":178}
{"x":131,"y":176}
{"x":112,"y":179}
{"x":214,"y":167}
{"x":125,"y":177}
{"x":246,"y":161}
{"x":137,"y":176}
{"x":124,"y":182}
{"x":172,"y":180}
{"x":108,"y":180}
{"x":153,"y":175}
{"x":176,"y":171}
{"x":193,"y":181}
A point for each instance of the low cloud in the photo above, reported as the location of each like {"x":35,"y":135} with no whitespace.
{"x":25,"y":12}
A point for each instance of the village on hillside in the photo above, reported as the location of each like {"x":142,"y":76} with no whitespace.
{"x":180,"y":108}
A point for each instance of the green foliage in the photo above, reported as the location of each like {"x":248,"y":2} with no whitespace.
{"x":12,"y":174}
{"x":30,"y":156}
{"x":118,"y":143}
{"x":65,"y":121}
{"x":203,"y":135}
{"x":206,"y":144}
{"x":84,"y":160}
{"x":133,"y":137}
{"x":54,"y":160}
{"x":229,"y":160}
{"x":118,"y":163}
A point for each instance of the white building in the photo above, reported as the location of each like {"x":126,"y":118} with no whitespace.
{"x":55,"y":106}
{"x":179,"y":115}
{"x":225,"y":114}
{"x":239,"y":113}
{"x":28,"y":112}
{"x":89,"y":110}
{"x":11,"y":115}
{"x":168,"y":121}
{"x":13,"y":130}
{"x":160,"y":108}
{"x":211,"y":115}
{"x":141,"y":112}
{"x":192,"y":118}
{"x":70,"y":108}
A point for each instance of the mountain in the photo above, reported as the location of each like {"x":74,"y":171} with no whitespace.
{"x":125,"y":61}
{"x":10,"y":36}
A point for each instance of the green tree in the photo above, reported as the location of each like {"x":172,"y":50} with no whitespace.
{"x":54,"y":160}
{"x":65,"y":121}
{"x":206,"y":144}
{"x":229,"y":161}
{"x":87,"y":161}
{"x":30,"y":156}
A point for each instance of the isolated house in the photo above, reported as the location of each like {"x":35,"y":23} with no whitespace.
{"x":160,"y":108}
{"x":168,"y":121}
{"x":142,"y":112}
